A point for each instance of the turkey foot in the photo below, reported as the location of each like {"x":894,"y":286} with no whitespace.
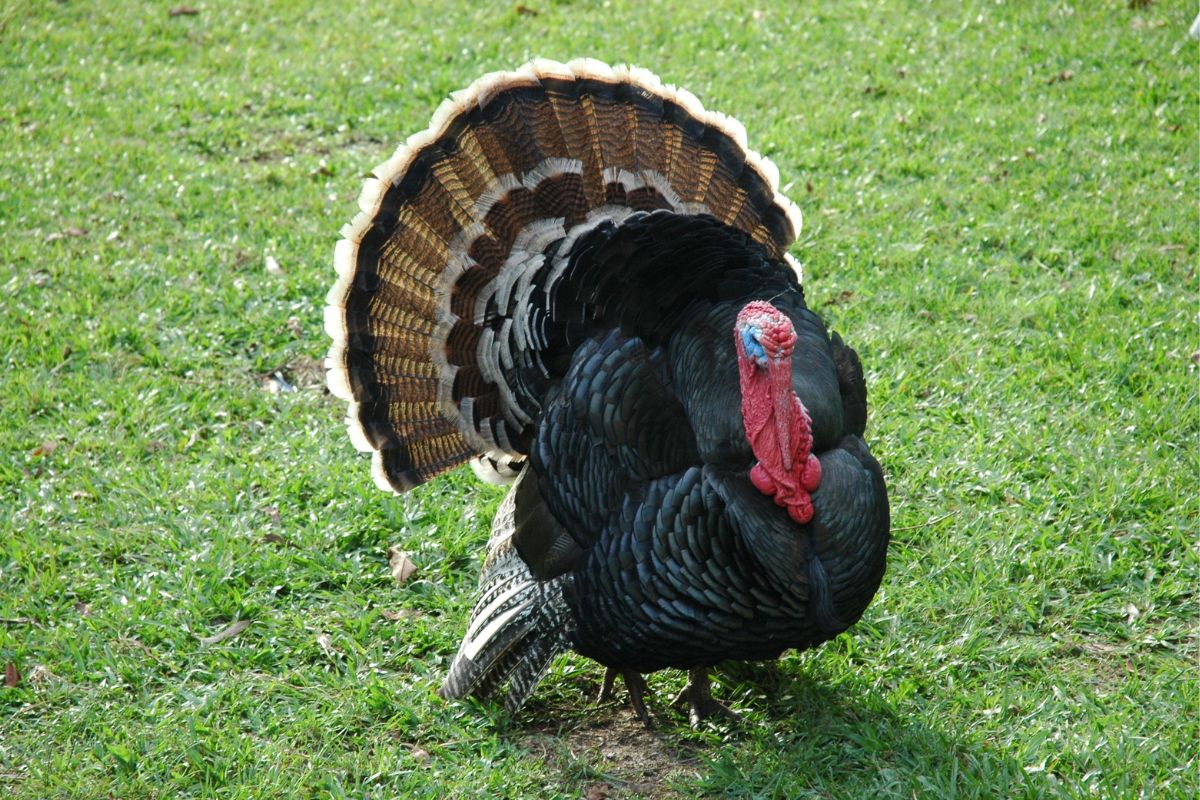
{"x":700,"y":702}
{"x":636,"y":685}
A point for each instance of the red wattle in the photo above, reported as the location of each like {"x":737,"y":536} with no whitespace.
{"x":801,"y":510}
{"x":810,"y":476}
{"x":762,"y":480}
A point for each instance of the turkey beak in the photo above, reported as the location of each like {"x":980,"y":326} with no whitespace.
{"x":779,"y":375}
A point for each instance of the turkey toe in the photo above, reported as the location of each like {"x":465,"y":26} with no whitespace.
{"x":701,"y":705}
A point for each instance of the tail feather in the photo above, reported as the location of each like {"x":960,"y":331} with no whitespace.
{"x":519,"y":623}
{"x":445,"y":278}
{"x":517,"y":628}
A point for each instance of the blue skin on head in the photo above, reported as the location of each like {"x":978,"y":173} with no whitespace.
{"x":754,"y":348}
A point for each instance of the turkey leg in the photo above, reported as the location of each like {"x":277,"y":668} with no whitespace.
{"x":637,"y":692}
{"x":701,"y":704}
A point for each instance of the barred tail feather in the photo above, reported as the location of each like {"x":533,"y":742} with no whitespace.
{"x":517,"y":628}
{"x":519,"y":623}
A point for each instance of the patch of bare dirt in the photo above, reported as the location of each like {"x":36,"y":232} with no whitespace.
{"x":625,"y":761}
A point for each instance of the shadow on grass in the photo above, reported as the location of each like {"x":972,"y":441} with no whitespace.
{"x":799,"y":737}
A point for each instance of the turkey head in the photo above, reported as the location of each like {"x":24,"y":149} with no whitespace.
{"x":778,"y":425}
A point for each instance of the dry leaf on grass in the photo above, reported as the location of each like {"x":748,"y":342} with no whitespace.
{"x":404,"y":613}
{"x":325,"y":642}
{"x":41,"y":674}
{"x":275,"y":383}
{"x":74,"y":233}
{"x":44,"y":449}
{"x":402,"y":566}
{"x":12,"y":676}
{"x":844,"y":296}
{"x":228,"y":632}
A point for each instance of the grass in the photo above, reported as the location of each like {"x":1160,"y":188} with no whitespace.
{"x":1001,"y":215}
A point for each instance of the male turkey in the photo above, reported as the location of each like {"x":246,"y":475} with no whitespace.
{"x":579,"y":278}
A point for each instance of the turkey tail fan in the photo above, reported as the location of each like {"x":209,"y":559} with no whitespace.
{"x":446,"y":277}
{"x":519,"y":624}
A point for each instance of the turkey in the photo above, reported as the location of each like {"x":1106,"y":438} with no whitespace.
{"x":577,"y":279}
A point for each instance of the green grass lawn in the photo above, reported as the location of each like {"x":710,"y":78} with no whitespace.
{"x":1000,"y":214}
